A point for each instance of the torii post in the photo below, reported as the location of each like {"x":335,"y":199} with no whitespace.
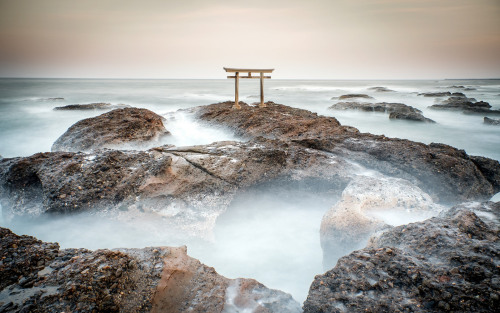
{"x":237,"y":77}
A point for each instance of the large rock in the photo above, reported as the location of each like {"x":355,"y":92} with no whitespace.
{"x":39,"y":277}
{"x":458,"y":101}
{"x":370,"y":204}
{"x":117,"y":128}
{"x":445,"y":264}
{"x":447,"y":174}
{"x":188,"y":186}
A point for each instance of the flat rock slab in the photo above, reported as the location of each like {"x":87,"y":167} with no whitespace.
{"x":39,"y":277}
{"x":128,"y":126}
{"x":445,"y":264}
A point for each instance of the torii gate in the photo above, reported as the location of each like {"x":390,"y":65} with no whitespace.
{"x":249,"y":71}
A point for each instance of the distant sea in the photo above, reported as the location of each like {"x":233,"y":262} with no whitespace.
{"x":272,"y":238}
{"x":28,"y":123}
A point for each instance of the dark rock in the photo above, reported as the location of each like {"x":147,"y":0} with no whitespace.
{"x":380,"y":89}
{"x":458,"y":101}
{"x":92,"y":106}
{"x":491,"y":121}
{"x":112,"y":129}
{"x":481,"y":110}
{"x":447,"y":263}
{"x":355,"y":95}
{"x":411,"y":116}
{"x":435,"y":94}
{"x":446,"y":173}
{"x":160,"y":279}
{"x":52,"y":99}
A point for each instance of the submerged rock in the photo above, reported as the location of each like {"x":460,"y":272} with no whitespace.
{"x":374,"y":107}
{"x":446,"y":263}
{"x":92,"y":106}
{"x":370,"y":204}
{"x":39,"y":277}
{"x":410,"y":116}
{"x":381,"y":89}
{"x":491,"y":121}
{"x":355,"y":95}
{"x":113,"y":129}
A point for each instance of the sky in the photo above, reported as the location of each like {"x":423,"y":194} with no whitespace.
{"x":315,"y":39}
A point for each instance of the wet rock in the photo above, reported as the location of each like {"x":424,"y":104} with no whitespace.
{"x":381,"y":89}
{"x":131,"y":280}
{"x":112,"y":129}
{"x":435,"y":94}
{"x":458,"y":101}
{"x":410,"y":116}
{"x":447,"y":263}
{"x":187,"y":186}
{"x":447,"y":174}
{"x":355,"y":95}
{"x":491,"y":121}
{"x":375,"y":107}
{"x":52,"y":99}
{"x":92,"y":106}
{"x":370,"y":204}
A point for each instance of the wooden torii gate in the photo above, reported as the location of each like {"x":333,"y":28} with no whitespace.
{"x":237,"y":77}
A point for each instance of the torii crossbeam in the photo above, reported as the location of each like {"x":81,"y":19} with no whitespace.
{"x":237,"y":77}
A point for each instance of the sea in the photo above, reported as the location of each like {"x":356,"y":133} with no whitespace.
{"x":270,"y":238}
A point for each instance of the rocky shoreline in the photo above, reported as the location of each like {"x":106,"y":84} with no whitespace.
{"x":92,"y":167}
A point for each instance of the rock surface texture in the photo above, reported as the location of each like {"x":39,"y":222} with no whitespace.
{"x":117,"y":128}
{"x":445,"y":264}
{"x":39,"y":277}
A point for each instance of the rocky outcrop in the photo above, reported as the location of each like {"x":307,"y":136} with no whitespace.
{"x":120,"y":127}
{"x":458,"y":101}
{"x":445,"y":173}
{"x":39,"y":277}
{"x":437,"y":94}
{"x":355,"y":95}
{"x":92,"y":106}
{"x":381,"y":89}
{"x":491,"y":121}
{"x":370,"y":204}
{"x":187,"y":186}
{"x":410,"y":116}
{"x":447,"y":263}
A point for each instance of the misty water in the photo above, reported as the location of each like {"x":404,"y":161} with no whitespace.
{"x":267,"y":234}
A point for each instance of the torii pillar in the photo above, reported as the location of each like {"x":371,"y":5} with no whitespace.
{"x":237,"y":77}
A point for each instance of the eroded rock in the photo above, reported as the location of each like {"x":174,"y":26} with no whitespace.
{"x":447,"y":263}
{"x":39,"y":277}
{"x":120,"y":127}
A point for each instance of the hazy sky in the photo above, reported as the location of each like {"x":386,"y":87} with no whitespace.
{"x":338,"y":39}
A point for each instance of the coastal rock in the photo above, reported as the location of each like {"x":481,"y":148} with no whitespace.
{"x":355,"y":95}
{"x":92,"y":106}
{"x":381,"y":89}
{"x":491,"y":121}
{"x":51,"y":99}
{"x":370,"y":204}
{"x":446,"y":263}
{"x":435,"y":94}
{"x":410,"y":116}
{"x":447,"y":174}
{"x":116,"y":128}
{"x":187,"y":187}
{"x":458,"y":101}
{"x":39,"y":277}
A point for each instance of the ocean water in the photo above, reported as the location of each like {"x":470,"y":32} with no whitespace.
{"x":253,"y":238}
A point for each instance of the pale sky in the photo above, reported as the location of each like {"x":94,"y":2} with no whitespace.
{"x":315,"y":39}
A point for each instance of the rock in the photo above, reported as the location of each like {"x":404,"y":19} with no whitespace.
{"x":370,"y":204}
{"x":458,"y":101}
{"x":480,"y":110}
{"x":188,"y":187}
{"x":447,"y":263}
{"x":52,"y":99}
{"x":92,"y":106}
{"x":435,"y":94}
{"x":112,"y":129}
{"x":355,"y":95}
{"x":380,"y":89}
{"x":447,"y":174}
{"x":160,"y":279}
{"x":411,"y":116}
{"x":491,"y":121}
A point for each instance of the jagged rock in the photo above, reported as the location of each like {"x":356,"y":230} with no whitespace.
{"x":112,"y":129}
{"x":381,"y":89}
{"x":447,"y":263}
{"x":370,"y":204}
{"x":355,"y":95}
{"x":188,"y":186}
{"x":461,"y":103}
{"x":445,"y":173}
{"x":39,"y":277}
{"x":411,"y":116}
{"x":92,"y":106}
{"x":491,"y":121}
